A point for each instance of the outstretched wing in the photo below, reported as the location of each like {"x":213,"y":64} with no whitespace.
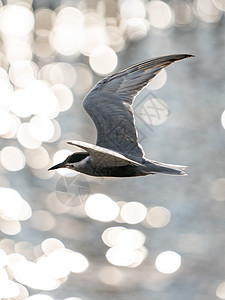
{"x":109,"y":104}
{"x":102,"y":156}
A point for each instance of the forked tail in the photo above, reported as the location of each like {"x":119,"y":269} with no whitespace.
{"x":159,"y":167}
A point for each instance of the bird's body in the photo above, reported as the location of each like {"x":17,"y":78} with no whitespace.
{"x":109,"y":104}
{"x":129,"y":170}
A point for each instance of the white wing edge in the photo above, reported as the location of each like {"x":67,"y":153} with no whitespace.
{"x":90,"y":147}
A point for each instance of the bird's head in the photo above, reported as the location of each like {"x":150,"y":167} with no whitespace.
{"x":71,"y":161}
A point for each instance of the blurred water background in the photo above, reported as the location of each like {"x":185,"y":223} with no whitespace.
{"x":70,"y":236}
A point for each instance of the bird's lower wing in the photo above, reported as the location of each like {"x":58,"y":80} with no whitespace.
{"x":103,"y":156}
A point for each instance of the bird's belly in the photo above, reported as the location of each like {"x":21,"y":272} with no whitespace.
{"x":107,"y":171}
{"x":123,"y":171}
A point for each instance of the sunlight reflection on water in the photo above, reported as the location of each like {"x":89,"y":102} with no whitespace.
{"x":49,"y":59}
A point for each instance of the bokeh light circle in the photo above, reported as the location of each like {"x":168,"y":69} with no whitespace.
{"x":121,"y":256}
{"x":91,"y":38}
{"x":37,"y":158}
{"x":16,"y":21}
{"x":10,"y":227}
{"x":168,"y":262}
{"x":5,"y":122}
{"x":3,"y":260}
{"x":18,"y":50}
{"x":9,"y":289}
{"x":14,"y":125}
{"x":110,"y":235}
{"x":43,"y":220}
{"x":132,"y":9}
{"x":23,"y":72}
{"x":12,"y":158}
{"x":51,"y":244}
{"x":220,"y":291}
{"x":103,"y":60}
{"x":218,"y":189}
{"x":13,"y":206}
{"x":84,"y":79}
{"x":20,"y":104}
{"x":78,"y":262}
{"x":66,"y":34}
{"x":43,"y":101}
{"x":40,"y":297}
{"x":41,"y":128}
{"x":64,"y":96}
{"x":223,"y":119}
{"x":111,"y":276}
{"x":102,"y":208}
{"x":25,"y":138}
{"x":158,"y":216}
{"x":133,"y":212}
{"x":183,"y":12}
{"x":220,"y":4}
{"x":206,"y":11}
{"x":160,"y":14}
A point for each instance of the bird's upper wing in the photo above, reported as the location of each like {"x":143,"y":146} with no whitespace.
{"x":102,"y":156}
{"x":109,"y":104}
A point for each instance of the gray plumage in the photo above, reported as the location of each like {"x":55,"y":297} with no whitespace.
{"x":109,"y":104}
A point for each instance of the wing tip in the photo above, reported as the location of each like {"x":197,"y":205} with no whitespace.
{"x":175,"y":57}
{"x":70,"y":143}
{"x":182,"y":167}
{"x":183,"y":173}
{"x":189,"y":55}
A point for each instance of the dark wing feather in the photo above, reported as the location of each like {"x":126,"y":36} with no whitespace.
{"x":109,"y":104}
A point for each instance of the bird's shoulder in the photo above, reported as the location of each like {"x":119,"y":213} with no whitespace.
{"x":98,"y":93}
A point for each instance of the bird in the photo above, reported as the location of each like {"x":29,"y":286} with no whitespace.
{"x":117,"y":152}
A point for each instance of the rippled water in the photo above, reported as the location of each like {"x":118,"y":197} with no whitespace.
{"x":153,"y":237}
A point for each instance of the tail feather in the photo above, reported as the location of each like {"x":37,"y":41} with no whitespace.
{"x":171,"y":169}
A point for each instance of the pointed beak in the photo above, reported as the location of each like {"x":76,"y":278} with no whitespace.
{"x":61,"y":165}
